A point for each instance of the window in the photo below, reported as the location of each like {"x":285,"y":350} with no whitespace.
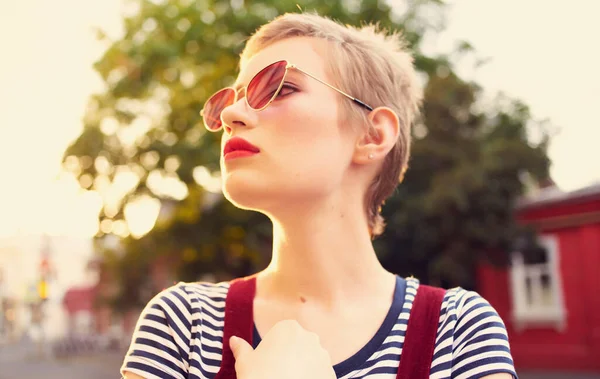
{"x":537,"y":288}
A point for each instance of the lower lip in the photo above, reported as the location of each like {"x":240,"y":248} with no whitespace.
{"x":238,"y":154}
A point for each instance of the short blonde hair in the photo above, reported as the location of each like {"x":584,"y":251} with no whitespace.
{"x":370,"y":64}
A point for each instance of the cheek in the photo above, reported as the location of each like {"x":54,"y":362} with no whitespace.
{"x":306,"y":125}
{"x":310,"y":145}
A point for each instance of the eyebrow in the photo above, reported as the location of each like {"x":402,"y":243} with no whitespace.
{"x":291,"y":73}
{"x":296,"y":75}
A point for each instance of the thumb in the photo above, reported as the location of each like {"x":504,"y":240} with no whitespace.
{"x":239,"y":347}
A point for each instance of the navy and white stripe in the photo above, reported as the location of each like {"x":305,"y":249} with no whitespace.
{"x":180,"y":335}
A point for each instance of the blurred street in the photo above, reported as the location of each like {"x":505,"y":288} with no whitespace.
{"x":22,"y":361}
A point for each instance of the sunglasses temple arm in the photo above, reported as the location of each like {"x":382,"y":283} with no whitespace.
{"x":337,"y":90}
{"x":361,"y":103}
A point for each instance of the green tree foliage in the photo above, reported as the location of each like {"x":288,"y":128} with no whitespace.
{"x":454,"y":206}
{"x":468,"y":168}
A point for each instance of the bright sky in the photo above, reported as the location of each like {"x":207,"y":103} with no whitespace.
{"x":544,"y":52}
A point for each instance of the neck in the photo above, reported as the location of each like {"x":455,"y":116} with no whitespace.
{"x":324,"y":253}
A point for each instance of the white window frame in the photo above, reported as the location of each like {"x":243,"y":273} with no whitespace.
{"x":531,"y":313}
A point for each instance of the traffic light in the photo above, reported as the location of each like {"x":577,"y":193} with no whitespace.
{"x":43,"y":290}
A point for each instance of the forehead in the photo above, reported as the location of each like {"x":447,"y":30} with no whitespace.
{"x":304,"y":52}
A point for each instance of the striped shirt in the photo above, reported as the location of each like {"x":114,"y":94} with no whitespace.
{"x":180,"y":335}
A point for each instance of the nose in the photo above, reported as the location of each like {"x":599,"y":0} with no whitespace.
{"x":238,"y":114}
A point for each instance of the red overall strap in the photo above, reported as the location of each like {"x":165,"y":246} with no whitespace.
{"x":239,"y":321}
{"x":419,"y":343}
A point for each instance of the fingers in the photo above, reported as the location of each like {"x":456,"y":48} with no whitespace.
{"x":239,"y":347}
{"x":287,"y":351}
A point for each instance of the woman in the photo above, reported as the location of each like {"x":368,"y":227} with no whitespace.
{"x":316,"y":133}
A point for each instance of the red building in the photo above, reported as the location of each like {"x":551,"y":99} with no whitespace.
{"x":552,"y":307}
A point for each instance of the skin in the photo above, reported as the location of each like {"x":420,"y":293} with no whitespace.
{"x":310,"y":179}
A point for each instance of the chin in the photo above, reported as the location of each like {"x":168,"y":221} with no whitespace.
{"x":247,"y":192}
{"x":269,"y":193}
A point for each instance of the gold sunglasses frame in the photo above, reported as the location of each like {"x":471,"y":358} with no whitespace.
{"x":287,"y":67}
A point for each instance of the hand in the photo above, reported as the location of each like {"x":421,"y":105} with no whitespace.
{"x":287,"y":351}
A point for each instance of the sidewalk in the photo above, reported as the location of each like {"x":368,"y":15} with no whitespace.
{"x":22,"y":360}
{"x":97,"y":366}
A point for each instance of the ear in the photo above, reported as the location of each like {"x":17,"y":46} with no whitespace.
{"x":376,"y":142}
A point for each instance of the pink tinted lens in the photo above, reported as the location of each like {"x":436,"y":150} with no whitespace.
{"x":264,"y":85}
{"x":215,"y":105}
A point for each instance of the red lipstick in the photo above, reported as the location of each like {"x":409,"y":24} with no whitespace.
{"x":238,"y":147}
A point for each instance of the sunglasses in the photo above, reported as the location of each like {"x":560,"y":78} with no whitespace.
{"x":260,"y":92}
